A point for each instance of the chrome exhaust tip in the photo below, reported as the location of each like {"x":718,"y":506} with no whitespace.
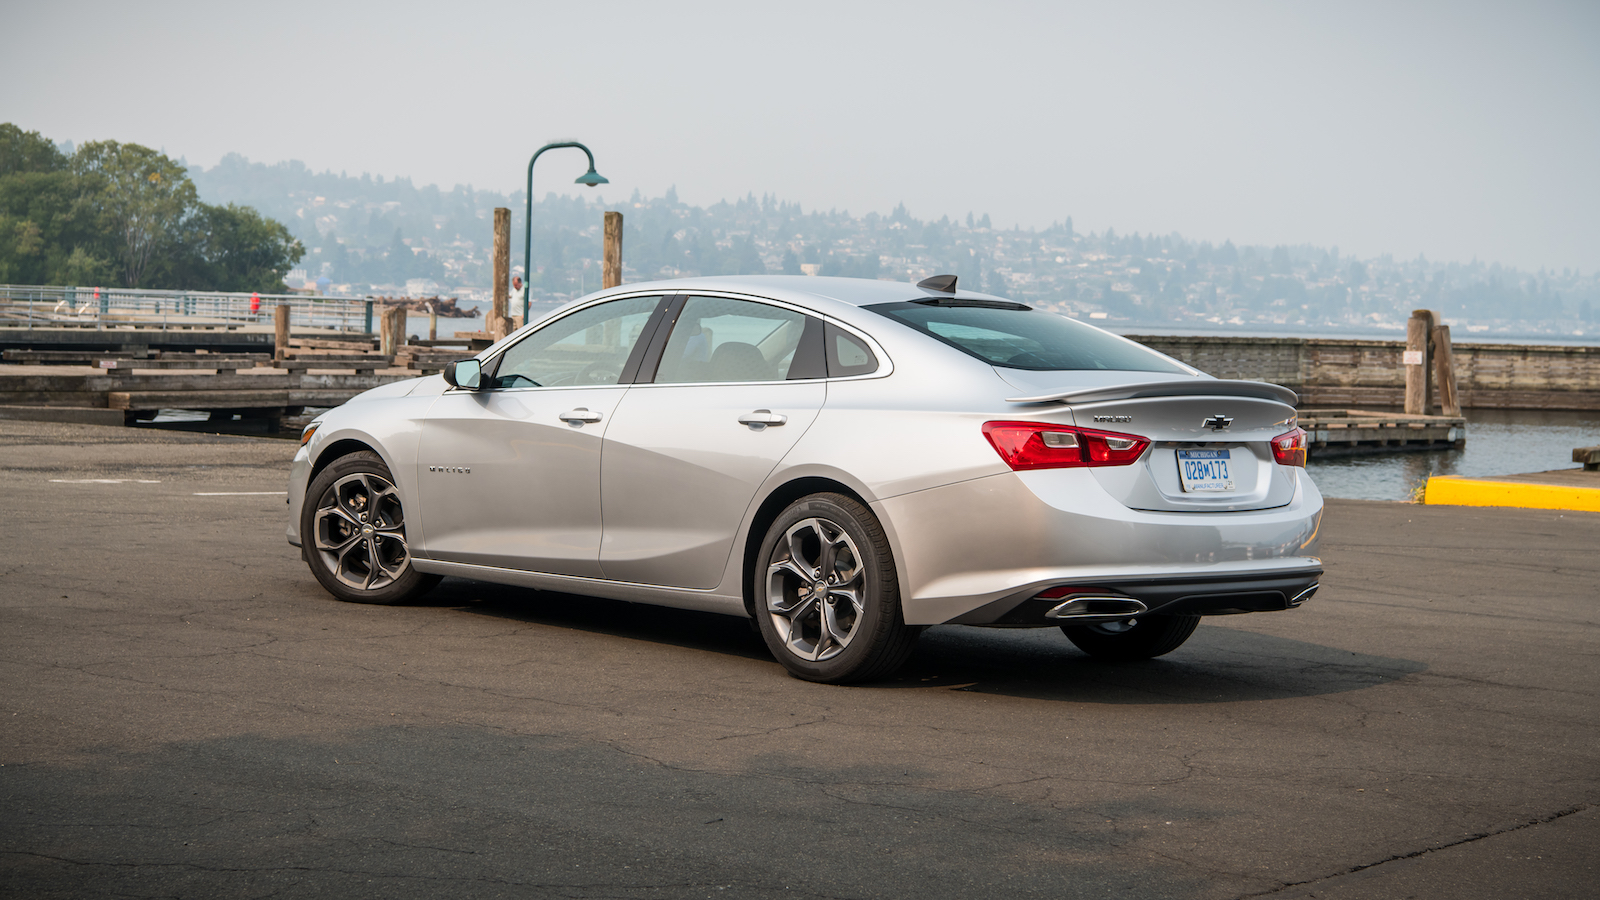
{"x":1102,"y":607}
{"x":1304,"y":595}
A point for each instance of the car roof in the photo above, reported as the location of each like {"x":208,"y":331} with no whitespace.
{"x":808,"y":290}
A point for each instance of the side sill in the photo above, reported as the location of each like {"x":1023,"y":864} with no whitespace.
{"x":677,"y":598}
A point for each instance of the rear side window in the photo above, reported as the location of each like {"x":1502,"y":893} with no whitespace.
{"x":722,"y":339}
{"x":847,"y":354}
{"x":1027,"y":338}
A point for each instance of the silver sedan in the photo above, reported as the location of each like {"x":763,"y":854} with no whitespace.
{"x":844,"y":461}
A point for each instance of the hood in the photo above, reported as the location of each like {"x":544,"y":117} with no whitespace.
{"x":395,"y":389}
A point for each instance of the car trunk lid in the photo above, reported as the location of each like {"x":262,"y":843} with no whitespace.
{"x":1210,"y":440}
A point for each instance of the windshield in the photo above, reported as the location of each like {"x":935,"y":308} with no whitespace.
{"x":1027,"y":338}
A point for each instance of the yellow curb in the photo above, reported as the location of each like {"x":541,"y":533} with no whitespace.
{"x":1452,"y":490}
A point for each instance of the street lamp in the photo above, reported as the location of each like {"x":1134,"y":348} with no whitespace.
{"x":590,"y":178}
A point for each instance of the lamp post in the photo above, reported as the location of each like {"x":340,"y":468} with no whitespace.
{"x":590,"y":178}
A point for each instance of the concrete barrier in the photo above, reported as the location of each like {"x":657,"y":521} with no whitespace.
{"x":1569,"y":489}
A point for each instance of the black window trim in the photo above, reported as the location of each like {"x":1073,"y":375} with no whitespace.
{"x":651,"y":360}
{"x":675,"y":301}
{"x":811,"y":351}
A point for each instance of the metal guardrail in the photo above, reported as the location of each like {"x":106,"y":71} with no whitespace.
{"x":47,"y":306}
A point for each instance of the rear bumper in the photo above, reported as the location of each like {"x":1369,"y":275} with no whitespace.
{"x":972,"y":552}
{"x":1217,"y":596}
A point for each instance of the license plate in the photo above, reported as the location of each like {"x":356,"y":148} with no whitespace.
{"x":1204,"y":470}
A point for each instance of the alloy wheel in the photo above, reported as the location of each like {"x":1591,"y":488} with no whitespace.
{"x":816,"y":586}
{"x":360,"y":532}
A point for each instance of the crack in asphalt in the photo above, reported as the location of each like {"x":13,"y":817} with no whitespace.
{"x":1472,"y":838}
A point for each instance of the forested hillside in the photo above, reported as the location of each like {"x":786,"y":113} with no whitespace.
{"x":124,"y":214}
{"x":365,"y":233}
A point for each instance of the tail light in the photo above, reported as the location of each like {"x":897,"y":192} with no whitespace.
{"x":1041,"y":445}
{"x":1290,"y":449}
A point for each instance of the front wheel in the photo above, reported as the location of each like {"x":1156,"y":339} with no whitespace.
{"x":827,"y":595}
{"x":1132,"y":639}
{"x":354,"y":529}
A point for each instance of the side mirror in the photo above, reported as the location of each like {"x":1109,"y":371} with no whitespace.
{"x":464,"y":373}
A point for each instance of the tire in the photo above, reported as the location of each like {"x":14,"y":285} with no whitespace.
{"x":1146,"y":638}
{"x":351,"y":519}
{"x":827,"y":595}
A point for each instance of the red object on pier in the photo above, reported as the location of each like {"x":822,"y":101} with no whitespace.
{"x":255,"y":302}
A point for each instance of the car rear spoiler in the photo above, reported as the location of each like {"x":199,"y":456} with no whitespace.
{"x":1199,"y":387}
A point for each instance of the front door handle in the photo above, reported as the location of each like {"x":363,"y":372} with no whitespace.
{"x":761,"y":418}
{"x":579,"y":416}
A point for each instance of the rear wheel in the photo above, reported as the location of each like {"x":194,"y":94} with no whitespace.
{"x":354,"y":529}
{"x":827,"y":593}
{"x":1145,"y":637}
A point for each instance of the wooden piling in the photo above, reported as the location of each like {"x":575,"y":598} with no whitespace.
{"x":1416,"y":362}
{"x":433,"y":323}
{"x":393,"y":335}
{"x":1444,"y":372}
{"x":402,"y":317}
{"x":497,"y":324}
{"x":280,"y":331}
{"x":611,"y":270}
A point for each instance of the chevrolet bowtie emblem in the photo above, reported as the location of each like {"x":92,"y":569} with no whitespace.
{"x":1217,"y":423}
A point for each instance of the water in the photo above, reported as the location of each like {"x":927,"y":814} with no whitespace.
{"x":1579,"y":339}
{"x":1499,"y":442}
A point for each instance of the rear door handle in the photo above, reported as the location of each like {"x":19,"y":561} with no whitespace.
{"x":580,"y":416}
{"x":761,"y":418}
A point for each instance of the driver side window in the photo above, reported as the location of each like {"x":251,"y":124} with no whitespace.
{"x":588,"y":347}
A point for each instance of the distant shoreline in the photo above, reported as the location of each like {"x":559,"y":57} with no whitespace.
{"x":1461,"y":337}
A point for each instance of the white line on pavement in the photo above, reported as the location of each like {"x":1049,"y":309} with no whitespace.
{"x":239,"y":493}
{"x":102,"y":481}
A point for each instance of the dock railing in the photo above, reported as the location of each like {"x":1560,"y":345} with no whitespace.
{"x":48,"y":306}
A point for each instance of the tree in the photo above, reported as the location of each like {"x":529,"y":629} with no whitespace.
{"x":122,"y":212}
{"x":1281,"y":263}
{"x":51,"y":231}
{"x":995,"y":283}
{"x":27,"y":151}
{"x":50,"y":226}
{"x":145,"y":195}
{"x":749,"y":257}
{"x":229,"y":248}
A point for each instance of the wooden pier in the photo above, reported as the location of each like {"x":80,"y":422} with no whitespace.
{"x":130,"y":388}
{"x":1352,"y":432}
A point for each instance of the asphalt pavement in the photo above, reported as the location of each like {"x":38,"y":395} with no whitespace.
{"x":185,"y":713}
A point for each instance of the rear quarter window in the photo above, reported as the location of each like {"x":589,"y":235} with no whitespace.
{"x":1020,"y":338}
{"x":847,"y":354}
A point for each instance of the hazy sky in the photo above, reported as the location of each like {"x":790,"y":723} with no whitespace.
{"x":1454,"y":129}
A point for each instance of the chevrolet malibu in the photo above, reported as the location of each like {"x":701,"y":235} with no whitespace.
{"x":846,"y":462}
